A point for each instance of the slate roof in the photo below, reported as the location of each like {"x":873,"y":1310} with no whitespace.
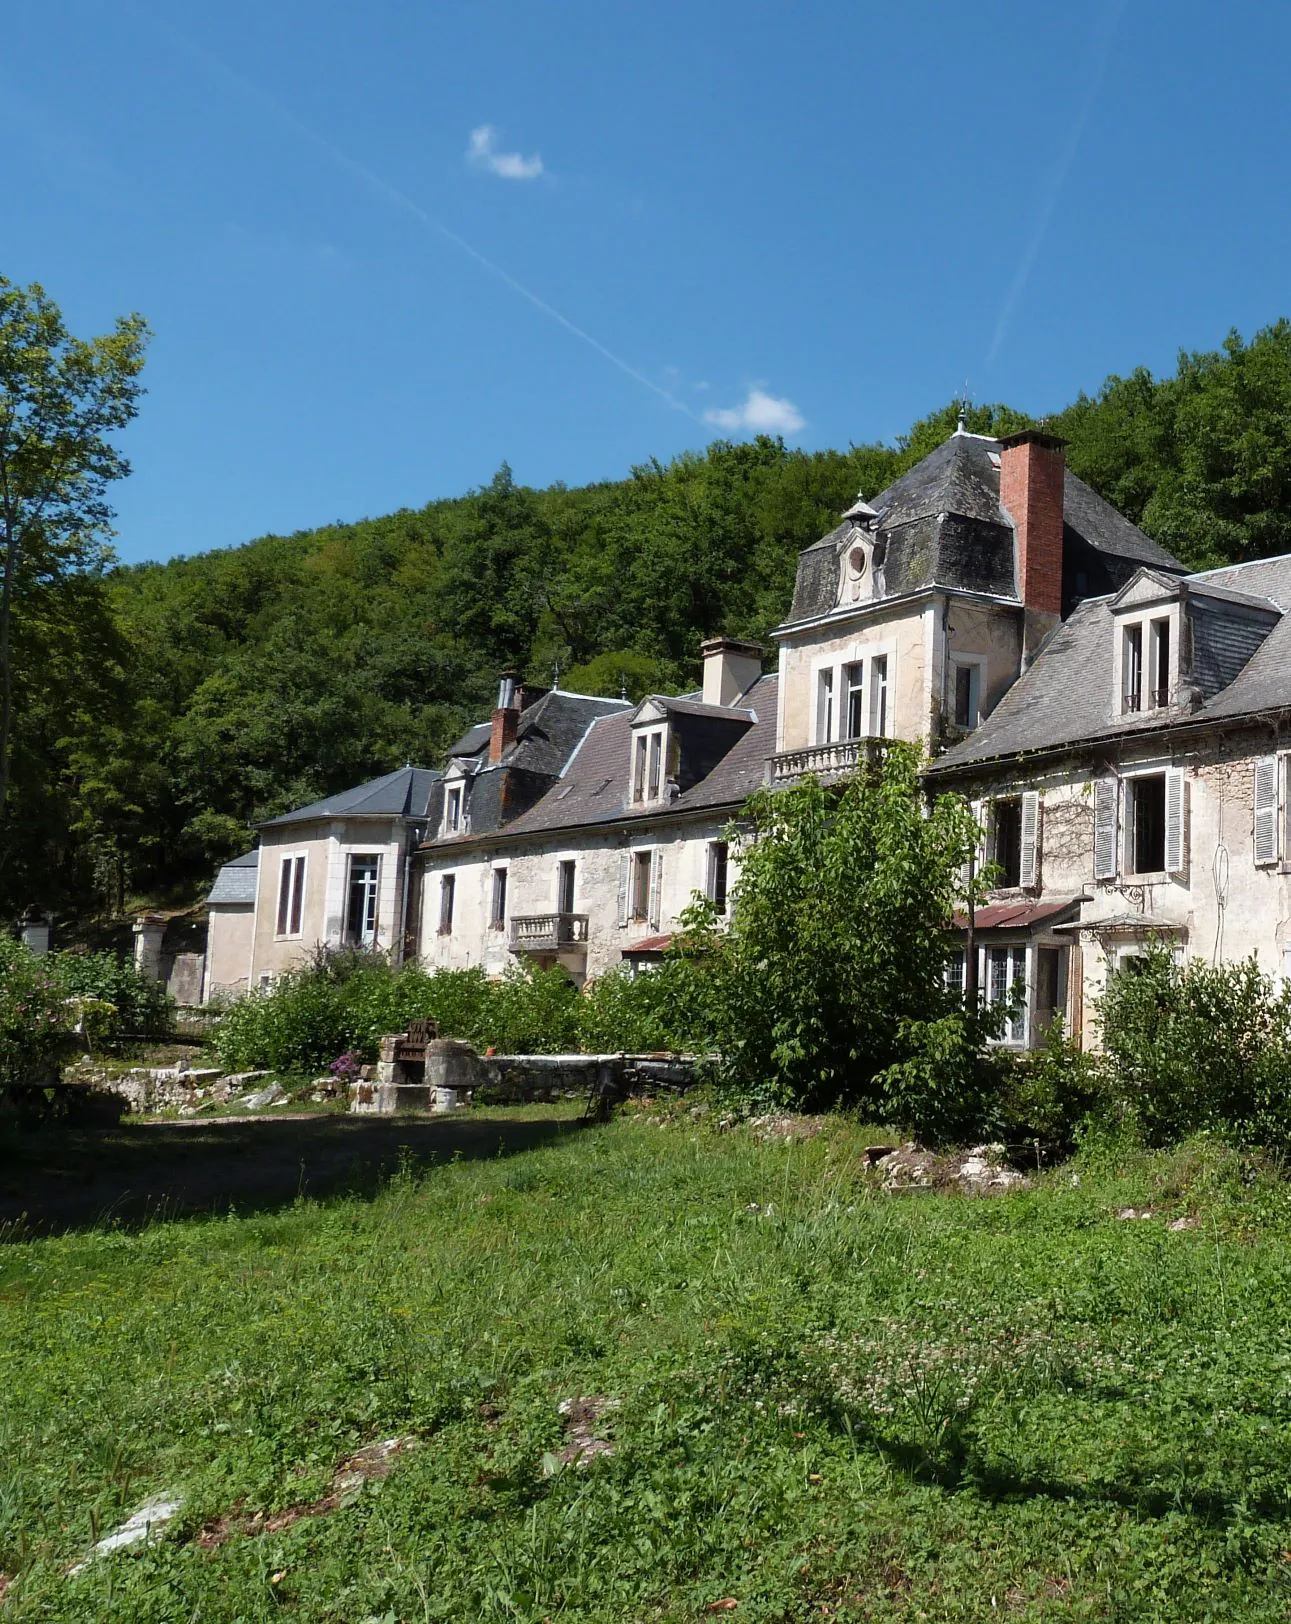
{"x":685,"y":705}
{"x":235,"y":884}
{"x":550,"y":729}
{"x":943,"y":526}
{"x":400,"y":794}
{"x":474,"y":740}
{"x":594,"y":787}
{"x":1065,"y":697}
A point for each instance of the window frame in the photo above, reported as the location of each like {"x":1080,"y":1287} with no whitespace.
{"x":717,"y":875}
{"x":447,"y":903}
{"x":498,"y":896}
{"x":974,"y":666}
{"x":639,"y":886}
{"x":651,"y":748}
{"x":1134,"y":784}
{"x":454,"y":807}
{"x":289,"y":916}
{"x":369,"y":934}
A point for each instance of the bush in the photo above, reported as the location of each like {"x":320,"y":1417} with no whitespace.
{"x":35,"y":1022}
{"x":1199,"y":1048}
{"x":140,"y":1005}
{"x":828,"y":988}
{"x":1055,"y":1094}
{"x":347,"y":1001}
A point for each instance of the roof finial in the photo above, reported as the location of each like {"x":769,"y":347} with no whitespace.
{"x":623,"y":686}
{"x":555,"y":678}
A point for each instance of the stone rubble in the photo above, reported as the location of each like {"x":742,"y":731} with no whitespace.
{"x":583,"y":1425}
{"x":983,"y":1170}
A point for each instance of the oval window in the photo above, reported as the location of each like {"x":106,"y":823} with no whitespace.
{"x":856,"y":562}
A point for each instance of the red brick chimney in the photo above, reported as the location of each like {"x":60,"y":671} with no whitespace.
{"x":1032,"y":472}
{"x":506,"y":717}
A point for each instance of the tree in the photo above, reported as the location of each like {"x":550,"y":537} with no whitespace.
{"x":60,"y":399}
{"x":829,"y":987}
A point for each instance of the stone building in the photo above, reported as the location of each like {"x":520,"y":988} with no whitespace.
{"x":1123,"y":728}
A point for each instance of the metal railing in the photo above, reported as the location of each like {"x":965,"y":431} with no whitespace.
{"x":826,"y":760}
{"x":548,"y":933}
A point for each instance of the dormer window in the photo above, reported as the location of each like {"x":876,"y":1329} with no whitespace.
{"x":648,"y":758}
{"x":1145,"y":664}
{"x":453,"y":810}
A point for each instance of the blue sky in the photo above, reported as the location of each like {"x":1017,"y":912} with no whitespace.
{"x":385,"y":247}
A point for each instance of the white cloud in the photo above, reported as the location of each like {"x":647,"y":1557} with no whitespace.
{"x":483,"y":151}
{"x":759,"y":412}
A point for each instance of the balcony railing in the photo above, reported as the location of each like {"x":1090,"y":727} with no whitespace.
{"x":548,"y":933}
{"x":827,"y":760}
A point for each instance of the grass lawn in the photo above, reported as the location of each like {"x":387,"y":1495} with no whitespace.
{"x":829,"y":1402}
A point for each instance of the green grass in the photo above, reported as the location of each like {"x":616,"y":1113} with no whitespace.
{"x":835,"y":1403}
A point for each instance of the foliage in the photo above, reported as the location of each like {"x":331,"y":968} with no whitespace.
{"x":139,"y":1005}
{"x":345,"y":1002}
{"x":61,"y":400}
{"x":829,"y":984}
{"x":35,"y":1028}
{"x":1054,"y":1092}
{"x":829,"y":1403}
{"x":1200,"y":1048}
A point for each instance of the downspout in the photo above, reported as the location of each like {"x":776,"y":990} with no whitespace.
{"x":413,"y":841}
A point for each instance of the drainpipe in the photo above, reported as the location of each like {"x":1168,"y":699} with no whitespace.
{"x":414,"y":840}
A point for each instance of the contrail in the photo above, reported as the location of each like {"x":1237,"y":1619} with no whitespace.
{"x":1057,"y":179}
{"x":408,"y":205}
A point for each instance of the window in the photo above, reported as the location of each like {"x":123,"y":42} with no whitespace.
{"x":498,"y":905}
{"x":447,"y":886}
{"x":1007,"y":846}
{"x":1006,"y":978}
{"x":968,"y":694}
{"x":718,"y":861}
{"x":1050,"y":986}
{"x":291,"y":895}
{"x":648,"y":765}
{"x":565,"y":886}
{"x":879,"y":696}
{"x":640,"y":885}
{"x":854,"y":690}
{"x":825,"y":707}
{"x":361,"y":900}
{"x":1159,"y":644}
{"x":957,"y":971}
{"x":1132,"y":669}
{"x":453,"y":810}
{"x":1145,"y":832}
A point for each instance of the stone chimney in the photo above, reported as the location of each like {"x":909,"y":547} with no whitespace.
{"x":730,"y":669}
{"x":1032,"y":474}
{"x":506,"y":716}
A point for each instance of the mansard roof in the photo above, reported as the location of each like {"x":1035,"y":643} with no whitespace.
{"x":942,"y":526}
{"x":1066,"y":699}
{"x":400,"y":794}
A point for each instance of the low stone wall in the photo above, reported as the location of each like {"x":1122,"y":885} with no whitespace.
{"x":454,"y":1078}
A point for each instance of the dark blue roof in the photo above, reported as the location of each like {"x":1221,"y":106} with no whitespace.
{"x":401,"y":794}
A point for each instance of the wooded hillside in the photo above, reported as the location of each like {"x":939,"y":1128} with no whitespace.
{"x":166,"y":707}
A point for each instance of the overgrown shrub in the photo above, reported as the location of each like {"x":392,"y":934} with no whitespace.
{"x":828,"y":988}
{"x":1199,"y":1048}
{"x":140,"y":1005}
{"x":1054,"y":1094}
{"x":35,"y":1023}
{"x":657,"y":1010}
{"x":348,"y":1001}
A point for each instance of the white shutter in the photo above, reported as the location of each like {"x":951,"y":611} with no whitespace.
{"x":1105,"y":807}
{"x":625,"y":886}
{"x":656,"y":888}
{"x":1030,"y":841}
{"x":1174,"y":820}
{"x":1266,"y":811}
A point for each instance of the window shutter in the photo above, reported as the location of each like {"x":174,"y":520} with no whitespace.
{"x":1030,"y":841}
{"x":1266,"y":811}
{"x":625,"y":885}
{"x":1105,"y":807}
{"x":656,"y":889}
{"x":1174,"y":820}
{"x":978,"y":809}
